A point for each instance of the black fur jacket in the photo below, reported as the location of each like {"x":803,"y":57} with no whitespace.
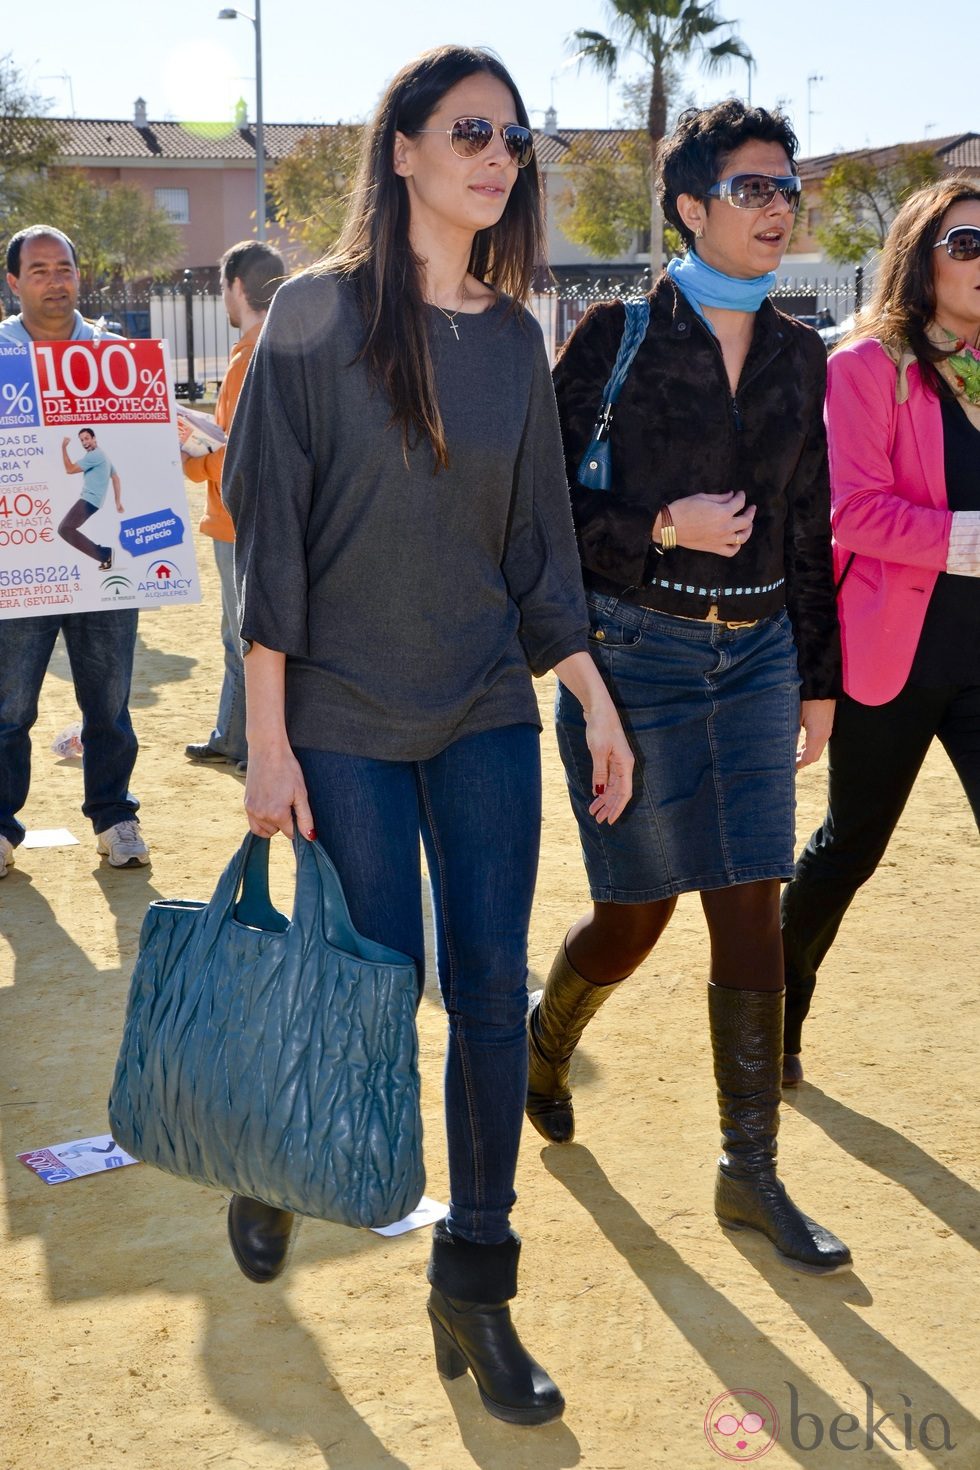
{"x":677,"y":429}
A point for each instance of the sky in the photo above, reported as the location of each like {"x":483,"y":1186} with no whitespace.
{"x":850,"y":73}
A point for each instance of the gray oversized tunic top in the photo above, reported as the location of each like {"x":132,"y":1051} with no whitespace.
{"x":410,"y":606}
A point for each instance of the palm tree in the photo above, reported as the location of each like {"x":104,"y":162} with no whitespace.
{"x":662,"y":32}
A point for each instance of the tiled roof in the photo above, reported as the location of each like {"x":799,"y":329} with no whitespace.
{"x":112,"y":140}
{"x":959,"y":150}
{"x":589,"y":143}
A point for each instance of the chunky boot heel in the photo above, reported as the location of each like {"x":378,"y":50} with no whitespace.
{"x":747,"y":1042}
{"x":450,"y":1362}
{"x":556,"y":1018}
{"x":472,"y":1328}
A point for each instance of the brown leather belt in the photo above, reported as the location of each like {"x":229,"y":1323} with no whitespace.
{"x":711,"y":616}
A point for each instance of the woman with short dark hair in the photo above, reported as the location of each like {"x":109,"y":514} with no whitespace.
{"x":711,"y":597}
{"x":405,"y":558}
{"x":903,"y":420}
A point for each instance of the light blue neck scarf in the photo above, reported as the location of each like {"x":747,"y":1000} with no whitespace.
{"x":701,"y":285}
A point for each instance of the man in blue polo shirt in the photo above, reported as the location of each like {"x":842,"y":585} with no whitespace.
{"x":42,"y":272}
{"x":97,"y":472}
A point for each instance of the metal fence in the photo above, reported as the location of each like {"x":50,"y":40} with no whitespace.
{"x":823,"y":301}
{"x":189,"y":314}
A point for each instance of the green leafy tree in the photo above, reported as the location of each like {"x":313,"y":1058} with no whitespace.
{"x":310,"y":187}
{"x":118,"y":233}
{"x":28,"y":140}
{"x":664,"y":33}
{"x":138,"y":238}
{"x":860,"y":199}
{"x":606,"y":205}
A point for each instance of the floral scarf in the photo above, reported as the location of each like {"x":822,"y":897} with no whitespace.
{"x":960,"y":369}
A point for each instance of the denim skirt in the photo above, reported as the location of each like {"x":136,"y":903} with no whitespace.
{"x":713,"y":716}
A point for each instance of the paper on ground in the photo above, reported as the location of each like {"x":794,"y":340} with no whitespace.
{"x":426,"y":1212}
{"x":50,"y":837}
{"x":64,"y":1161}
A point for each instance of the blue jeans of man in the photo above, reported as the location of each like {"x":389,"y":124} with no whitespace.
{"x":228,"y":734}
{"x":100,"y":652}
{"x":477,"y":806}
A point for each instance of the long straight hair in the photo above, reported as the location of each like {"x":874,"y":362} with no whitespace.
{"x":903,"y":303}
{"x":375,"y":255}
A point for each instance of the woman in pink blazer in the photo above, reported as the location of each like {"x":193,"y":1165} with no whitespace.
{"x":903,"y":423}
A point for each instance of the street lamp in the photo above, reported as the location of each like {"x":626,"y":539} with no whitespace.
{"x":230,"y":14}
{"x":810,"y":83}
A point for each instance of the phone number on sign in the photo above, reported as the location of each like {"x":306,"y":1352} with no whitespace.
{"x":28,"y":576}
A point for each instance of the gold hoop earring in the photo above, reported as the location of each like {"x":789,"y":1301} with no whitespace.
{"x":699,"y":233}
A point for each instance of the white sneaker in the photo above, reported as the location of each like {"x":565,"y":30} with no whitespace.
{"x":123,"y":845}
{"x":6,"y":855}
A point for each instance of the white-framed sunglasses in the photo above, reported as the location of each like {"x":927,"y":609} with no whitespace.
{"x":756,"y":191}
{"x":962,"y":242}
{"x":469,"y":136}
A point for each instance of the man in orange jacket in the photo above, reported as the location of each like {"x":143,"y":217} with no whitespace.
{"x":250,"y":273}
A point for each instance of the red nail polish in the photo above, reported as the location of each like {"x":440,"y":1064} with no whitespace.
{"x":600,"y":790}
{"x":311,"y":834}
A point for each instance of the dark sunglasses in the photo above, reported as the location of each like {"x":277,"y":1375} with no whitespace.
{"x":755,"y":191}
{"x":468,"y":136}
{"x":962,"y":242}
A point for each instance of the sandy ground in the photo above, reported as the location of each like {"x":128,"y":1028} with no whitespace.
{"x":130,"y":1340}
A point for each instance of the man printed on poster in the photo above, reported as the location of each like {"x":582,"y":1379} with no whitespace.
{"x":97,"y":472}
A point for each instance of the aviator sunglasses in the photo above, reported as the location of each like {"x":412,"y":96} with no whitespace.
{"x":756,"y":191}
{"x":962,"y":242}
{"x":468,"y":136}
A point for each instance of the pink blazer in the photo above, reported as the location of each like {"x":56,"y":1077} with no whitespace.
{"x":888,"y":489}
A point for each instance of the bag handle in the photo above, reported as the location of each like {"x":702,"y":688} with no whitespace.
{"x":255,"y":907}
{"x":318,"y":900}
{"x":634,"y":331}
{"x":595,"y":466}
{"x":319,"y":891}
{"x":847,"y":568}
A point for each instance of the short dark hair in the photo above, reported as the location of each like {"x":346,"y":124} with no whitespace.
{"x":86,"y":430}
{"x":35,"y":232}
{"x":692,"y":158}
{"x":259,"y":267}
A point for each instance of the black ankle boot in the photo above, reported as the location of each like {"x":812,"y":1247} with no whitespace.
{"x":471,"y":1328}
{"x":261,"y":1237}
{"x":555,"y":1021}
{"x":747,"y":1041}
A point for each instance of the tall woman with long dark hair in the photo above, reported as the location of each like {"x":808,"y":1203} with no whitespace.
{"x":405,"y":559}
{"x":903,"y":421}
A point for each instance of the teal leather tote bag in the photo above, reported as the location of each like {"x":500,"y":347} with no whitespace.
{"x":276,"y":1058}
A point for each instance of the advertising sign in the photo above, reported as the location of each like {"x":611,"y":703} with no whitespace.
{"x":92,"y":507}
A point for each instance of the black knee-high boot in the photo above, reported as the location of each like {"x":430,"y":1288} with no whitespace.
{"x":747,"y":1042}
{"x":557,"y":1017}
{"x":471,"y":1328}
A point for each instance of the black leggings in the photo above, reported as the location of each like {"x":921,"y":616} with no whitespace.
{"x":743,"y":926}
{"x":875,"y":755}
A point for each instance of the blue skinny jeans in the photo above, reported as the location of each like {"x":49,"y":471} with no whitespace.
{"x":477,"y":805}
